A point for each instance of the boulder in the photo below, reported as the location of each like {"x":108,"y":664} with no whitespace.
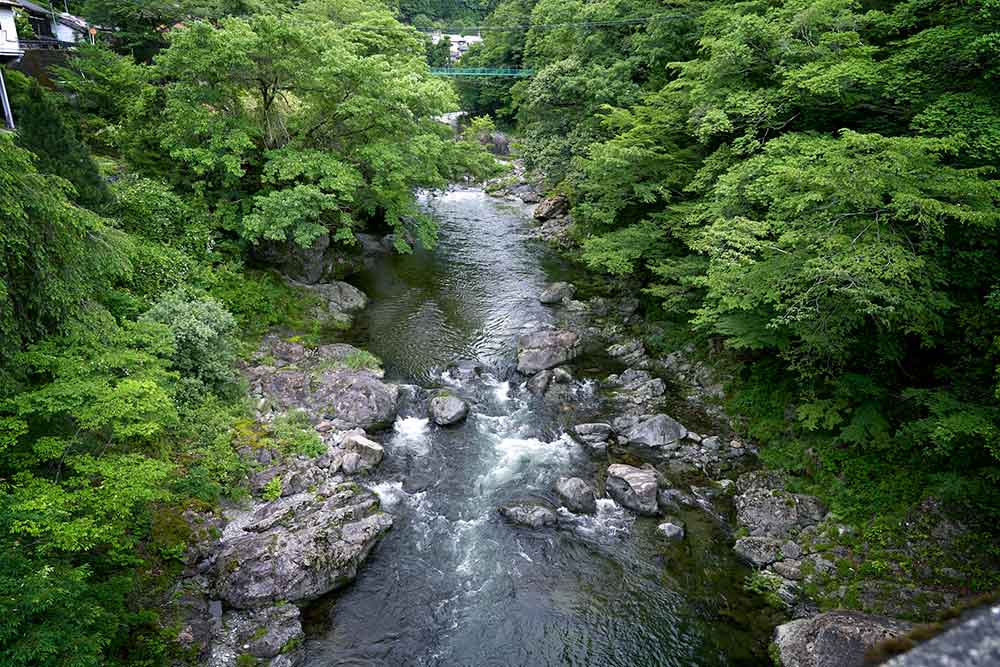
{"x":299,"y":548}
{"x":557,"y":293}
{"x":446,"y":410}
{"x":561,"y":376}
{"x":369,"y":452}
{"x":634,"y":488}
{"x":833,"y":639}
{"x":552,"y":207}
{"x":758,"y":551}
{"x":656,"y":432}
{"x":546,"y":349}
{"x":531,"y":516}
{"x":593,"y":436}
{"x":339,"y":297}
{"x":539,"y":382}
{"x":672,"y":530}
{"x":576,"y":495}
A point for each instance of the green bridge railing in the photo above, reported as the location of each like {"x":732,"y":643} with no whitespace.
{"x":480,"y":71}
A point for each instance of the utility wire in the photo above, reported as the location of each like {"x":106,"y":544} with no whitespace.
{"x":469,"y":30}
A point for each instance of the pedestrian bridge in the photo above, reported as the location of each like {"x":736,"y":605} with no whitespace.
{"x":481,"y":71}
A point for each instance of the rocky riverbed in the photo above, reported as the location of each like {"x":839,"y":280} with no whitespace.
{"x":544,"y":474}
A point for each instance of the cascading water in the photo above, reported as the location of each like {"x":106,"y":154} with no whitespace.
{"x":452,"y":584}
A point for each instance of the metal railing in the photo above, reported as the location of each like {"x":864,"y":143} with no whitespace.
{"x":481,"y":71}
{"x":45,"y":44}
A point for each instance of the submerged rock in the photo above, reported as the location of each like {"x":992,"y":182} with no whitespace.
{"x":634,"y":488}
{"x":833,"y":639}
{"x":546,"y":349}
{"x":576,"y":495}
{"x":299,"y":548}
{"x":446,"y":410}
{"x":557,"y":293}
{"x":531,"y":516}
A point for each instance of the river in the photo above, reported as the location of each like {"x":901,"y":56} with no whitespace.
{"x":452,"y":584}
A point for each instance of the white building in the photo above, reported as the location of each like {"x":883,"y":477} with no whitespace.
{"x":10,"y":46}
{"x":459,"y":43}
{"x":52,"y":30}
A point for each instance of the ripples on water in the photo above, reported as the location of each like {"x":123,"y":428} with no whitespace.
{"x":451,"y":584}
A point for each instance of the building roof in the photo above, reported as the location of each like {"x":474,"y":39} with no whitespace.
{"x":74,"y":22}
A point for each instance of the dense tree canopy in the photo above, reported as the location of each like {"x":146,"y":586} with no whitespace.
{"x":808,"y":183}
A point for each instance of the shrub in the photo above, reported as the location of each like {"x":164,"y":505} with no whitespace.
{"x":203,"y":332}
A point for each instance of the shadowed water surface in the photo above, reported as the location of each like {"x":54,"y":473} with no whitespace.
{"x":451,"y":584}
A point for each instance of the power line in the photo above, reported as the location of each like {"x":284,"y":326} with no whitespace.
{"x":469,"y":30}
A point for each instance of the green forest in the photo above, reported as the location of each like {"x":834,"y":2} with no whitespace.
{"x":803,"y":190}
{"x":131,"y":196}
{"x":809,"y":187}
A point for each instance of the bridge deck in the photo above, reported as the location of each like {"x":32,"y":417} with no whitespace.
{"x":480,"y":71}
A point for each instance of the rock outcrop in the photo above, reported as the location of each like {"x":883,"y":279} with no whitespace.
{"x":634,"y":488}
{"x":272,"y":633}
{"x":833,"y":639}
{"x":299,"y":548}
{"x":551,"y":207}
{"x":323,"y":383}
{"x":546,"y":349}
{"x":671,"y":530}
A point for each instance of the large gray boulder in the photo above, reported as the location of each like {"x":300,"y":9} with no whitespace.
{"x":446,"y":410}
{"x":833,"y":639}
{"x":656,"y":432}
{"x":530,"y":516}
{"x":576,"y":495}
{"x":557,"y":293}
{"x":546,"y":349}
{"x":299,"y":548}
{"x":634,"y":488}
{"x":339,"y":297}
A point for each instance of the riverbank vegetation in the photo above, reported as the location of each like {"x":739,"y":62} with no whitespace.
{"x":135,"y":195}
{"x":807,"y":189}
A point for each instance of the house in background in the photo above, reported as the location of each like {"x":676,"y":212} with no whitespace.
{"x":51,"y":30}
